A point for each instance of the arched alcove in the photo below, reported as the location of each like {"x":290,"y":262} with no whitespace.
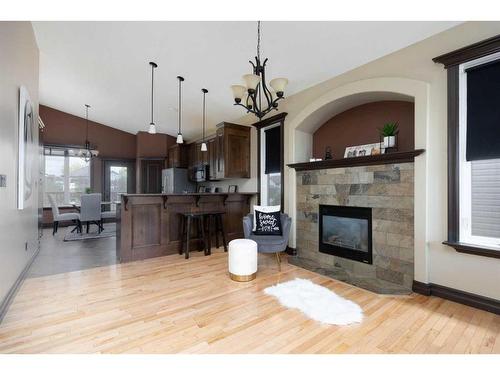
{"x":301,"y":127}
{"x":361,"y":125}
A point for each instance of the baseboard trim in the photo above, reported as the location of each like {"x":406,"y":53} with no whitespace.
{"x":4,"y":306}
{"x":421,"y":288}
{"x":455,"y":295}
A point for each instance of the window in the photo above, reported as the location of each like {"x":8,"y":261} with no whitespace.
{"x":66,"y":176}
{"x":271,"y":160}
{"x":479,"y":150}
{"x":474,"y":147}
{"x":271,"y":165}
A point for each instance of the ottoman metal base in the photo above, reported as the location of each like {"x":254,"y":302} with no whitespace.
{"x":243,"y":277}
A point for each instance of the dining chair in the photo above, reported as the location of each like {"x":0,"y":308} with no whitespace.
{"x":90,"y":210}
{"x":57,"y":216}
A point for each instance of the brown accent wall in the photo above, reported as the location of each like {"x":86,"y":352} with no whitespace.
{"x":64,"y":129}
{"x":153,"y":145}
{"x":359,"y":125}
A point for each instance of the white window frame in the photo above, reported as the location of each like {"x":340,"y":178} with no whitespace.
{"x":264,"y":178}
{"x":67,"y":193}
{"x":465,"y":183}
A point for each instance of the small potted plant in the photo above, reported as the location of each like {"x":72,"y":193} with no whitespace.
{"x":88,"y":190}
{"x":389,"y":131}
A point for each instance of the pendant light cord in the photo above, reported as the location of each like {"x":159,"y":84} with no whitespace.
{"x":204,"y":93}
{"x":180,"y":102}
{"x":87,"y":122}
{"x":258,"y":39}
{"x":152,"y":91}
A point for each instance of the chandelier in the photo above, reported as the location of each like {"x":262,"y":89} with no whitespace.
{"x":87,"y":152}
{"x":255,"y":96}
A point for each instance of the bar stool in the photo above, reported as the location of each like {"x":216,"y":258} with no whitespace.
{"x":187,"y":219}
{"x":216,"y":218}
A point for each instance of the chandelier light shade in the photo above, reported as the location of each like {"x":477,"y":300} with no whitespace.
{"x":239,"y":92}
{"x":87,"y":152}
{"x":203,"y":143}
{"x":251,"y":81}
{"x":179,"y":134}
{"x":255,"y":96}
{"x":152,"y":126}
{"x":279,"y":84}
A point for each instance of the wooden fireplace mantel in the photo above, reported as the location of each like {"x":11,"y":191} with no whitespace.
{"x":390,"y":158}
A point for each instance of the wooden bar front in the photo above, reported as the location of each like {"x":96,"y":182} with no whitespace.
{"x":148,"y":225}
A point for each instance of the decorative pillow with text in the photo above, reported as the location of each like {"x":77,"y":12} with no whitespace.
{"x":263,"y":209}
{"x":268,"y":223}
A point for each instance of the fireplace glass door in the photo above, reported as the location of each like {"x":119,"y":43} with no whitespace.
{"x":346,"y":232}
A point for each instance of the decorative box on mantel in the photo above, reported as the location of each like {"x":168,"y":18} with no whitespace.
{"x":374,"y":251}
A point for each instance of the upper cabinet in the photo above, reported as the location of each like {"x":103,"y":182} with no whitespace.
{"x":232,"y":144}
{"x":178,"y":156}
{"x":227,"y":155}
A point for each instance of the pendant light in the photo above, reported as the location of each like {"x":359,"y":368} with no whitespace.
{"x":88,"y":152}
{"x":179,"y":134}
{"x":203,"y":143}
{"x":152,"y":126}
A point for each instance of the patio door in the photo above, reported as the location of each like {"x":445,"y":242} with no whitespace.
{"x":119,"y":178}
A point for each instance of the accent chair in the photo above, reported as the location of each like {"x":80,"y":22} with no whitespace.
{"x":269,"y":244}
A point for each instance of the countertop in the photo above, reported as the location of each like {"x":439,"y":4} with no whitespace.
{"x":187,"y":194}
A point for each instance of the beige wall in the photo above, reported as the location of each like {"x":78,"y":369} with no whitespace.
{"x":437,"y":263}
{"x":19,"y":66}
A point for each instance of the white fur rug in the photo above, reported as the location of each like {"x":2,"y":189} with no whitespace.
{"x":316,"y":301}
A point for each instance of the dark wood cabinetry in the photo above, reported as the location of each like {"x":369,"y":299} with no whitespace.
{"x":151,"y":175}
{"x":212,"y":158}
{"x":178,"y":156}
{"x":228,"y":152}
{"x":233,"y":151}
{"x":148,"y":225}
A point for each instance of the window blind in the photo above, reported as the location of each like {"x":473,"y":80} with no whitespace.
{"x":483,"y":111}
{"x":273,"y":150}
{"x":485,"y":198}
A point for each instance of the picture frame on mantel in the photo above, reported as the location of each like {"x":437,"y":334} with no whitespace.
{"x":363,"y":150}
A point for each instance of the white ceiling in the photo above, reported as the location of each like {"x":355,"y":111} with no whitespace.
{"x":105,"y":64}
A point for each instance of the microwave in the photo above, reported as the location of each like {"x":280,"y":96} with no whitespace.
{"x":199,"y":173}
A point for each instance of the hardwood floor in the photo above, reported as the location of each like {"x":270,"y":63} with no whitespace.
{"x":57,"y":256}
{"x":173,"y":305}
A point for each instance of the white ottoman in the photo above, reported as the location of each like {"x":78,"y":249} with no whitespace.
{"x":242,"y":259}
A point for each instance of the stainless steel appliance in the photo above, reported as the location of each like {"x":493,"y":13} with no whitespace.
{"x":175,"y":180}
{"x":199,"y":173}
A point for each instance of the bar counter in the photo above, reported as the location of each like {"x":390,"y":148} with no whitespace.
{"x":148,"y":225}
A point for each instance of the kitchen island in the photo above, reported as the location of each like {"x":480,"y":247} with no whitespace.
{"x":148,"y":225}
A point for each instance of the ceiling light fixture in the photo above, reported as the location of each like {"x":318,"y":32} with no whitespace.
{"x":203,"y":143}
{"x":255,"y":96}
{"x":179,"y":134}
{"x":152,"y":126}
{"x":88,"y":152}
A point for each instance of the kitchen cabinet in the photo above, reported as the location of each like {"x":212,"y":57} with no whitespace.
{"x":227,"y":155}
{"x":212,"y":158}
{"x":232,"y":148}
{"x":178,"y":156}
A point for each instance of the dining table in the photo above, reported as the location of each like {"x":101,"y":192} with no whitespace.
{"x":77,"y":205}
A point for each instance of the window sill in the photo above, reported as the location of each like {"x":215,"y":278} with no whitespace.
{"x":474,"y":249}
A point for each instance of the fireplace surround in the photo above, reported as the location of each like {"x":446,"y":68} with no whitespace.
{"x":346,"y":232}
{"x":388,"y":191}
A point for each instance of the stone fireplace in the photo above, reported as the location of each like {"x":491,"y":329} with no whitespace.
{"x":355,"y":224}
